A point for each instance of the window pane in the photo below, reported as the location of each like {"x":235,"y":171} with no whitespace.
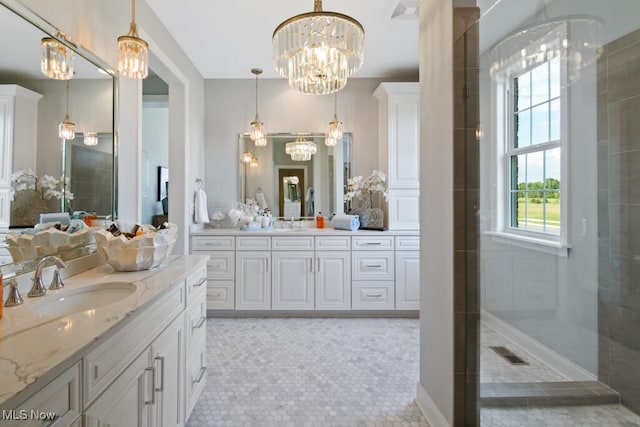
{"x":540,"y":124}
{"x":552,"y":212}
{"x":540,"y":84}
{"x":535,"y":170}
{"x":554,"y":77}
{"x":518,"y":172}
{"x":554,"y":125}
{"x":535,"y":211}
{"x":552,"y":168}
{"x":523,"y":129}
{"x":523,"y":91}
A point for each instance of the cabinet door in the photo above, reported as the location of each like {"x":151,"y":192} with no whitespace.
{"x":253,"y":280}
{"x":168,"y":363}
{"x":293,"y":280}
{"x":129,"y":400}
{"x":408,"y":280}
{"x":333,"y":280}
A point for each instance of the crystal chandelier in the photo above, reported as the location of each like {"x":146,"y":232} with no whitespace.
{"x":300,"y":150}
{"x":258,"y":134}
{"x":90,"y":138}
{"x":318,"y":51}
{"x":247,"y":156}
{"x":335,"y":127}
{"x":254,"y":162}
{"x":133,"y":52}
{"x":66,"y":128}
{"x":57,"y":60}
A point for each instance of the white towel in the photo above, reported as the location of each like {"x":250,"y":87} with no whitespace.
{"x":201,"y":215}
{"x":346,"y":222}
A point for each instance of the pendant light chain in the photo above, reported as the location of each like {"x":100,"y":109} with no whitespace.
{"x":67,"y":108}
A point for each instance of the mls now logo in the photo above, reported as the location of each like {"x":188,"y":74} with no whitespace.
{"x":23,"y":414}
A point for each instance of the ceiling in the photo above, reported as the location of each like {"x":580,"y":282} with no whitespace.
{"x":226,"y":40}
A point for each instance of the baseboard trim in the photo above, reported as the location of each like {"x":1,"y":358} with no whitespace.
{"x":538,"y":350}
{"x":434,"y":417}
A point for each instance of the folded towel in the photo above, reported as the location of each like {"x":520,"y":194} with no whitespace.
{"x":61,"y":217}
{"x":201,"y":216}
{"x":346,"y":222}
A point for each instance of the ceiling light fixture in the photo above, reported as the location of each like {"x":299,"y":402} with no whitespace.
{"x":335,"y":127}
{"x":57,"y":60}
{"x":318,"y":51}
{"x":133,"y":52}
{"x":90,"y":138}
{"x":300,"y":150}
{"x":254,"y":162}
{"x":258,"y":134}
{"x":66,"y":128}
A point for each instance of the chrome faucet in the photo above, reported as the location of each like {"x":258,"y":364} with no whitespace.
{"x":38,"y":288}
{"x":14,"y":297}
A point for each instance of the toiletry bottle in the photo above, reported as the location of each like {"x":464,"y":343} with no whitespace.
{"x":319,"y":220}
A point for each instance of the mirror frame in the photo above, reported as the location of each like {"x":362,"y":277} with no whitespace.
{"x":50,"y":30}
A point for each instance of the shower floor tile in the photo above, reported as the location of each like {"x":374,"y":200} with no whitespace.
{"x":575,"y":416}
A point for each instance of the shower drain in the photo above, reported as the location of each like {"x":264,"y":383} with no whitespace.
{"x":508,"y":355}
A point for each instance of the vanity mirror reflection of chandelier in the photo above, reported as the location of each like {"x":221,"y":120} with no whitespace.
{"x":301,"y":150}
{"x":318,"y":51}
{"x":66,"y":128}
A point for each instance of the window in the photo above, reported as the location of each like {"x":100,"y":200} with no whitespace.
{"x":533,"y":150}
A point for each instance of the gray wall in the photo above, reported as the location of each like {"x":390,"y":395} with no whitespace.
{"x":619,"y":216}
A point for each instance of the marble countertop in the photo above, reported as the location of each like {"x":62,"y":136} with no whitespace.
{"x":35,"y":347}
{"x":209,"y":231}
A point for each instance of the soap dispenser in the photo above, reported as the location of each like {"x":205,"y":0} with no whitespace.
{"x":319,"y":220}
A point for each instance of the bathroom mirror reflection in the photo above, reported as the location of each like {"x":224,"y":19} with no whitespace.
{"x":33,"y":147}
{"x":270,"y":177}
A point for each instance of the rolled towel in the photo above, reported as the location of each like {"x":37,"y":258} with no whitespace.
{"x":61,"y":217}
{"x":346,"y":222}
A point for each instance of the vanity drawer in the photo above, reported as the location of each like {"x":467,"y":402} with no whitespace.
{"x":220,"y":295}
{"x":372,"y":243}
{"x":195,"y":282}
{"x":213,"y":243}
{"x":292,"y":243}
{"x":407,"y":243}
{"x":196,"y":322}
{"x":331,"y":243}
{"x":373,"y":295}
{"x":253,"y":243}
{"x":104,"y":363}
{"x":221,"y":264}
{"x":378,"y":265}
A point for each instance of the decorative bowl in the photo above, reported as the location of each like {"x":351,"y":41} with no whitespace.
{"x":139,"y":253}
{"x":27,"y":245}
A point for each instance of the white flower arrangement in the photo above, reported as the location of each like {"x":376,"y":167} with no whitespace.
{"x":50,"y":187}
{"x":366,"y":188}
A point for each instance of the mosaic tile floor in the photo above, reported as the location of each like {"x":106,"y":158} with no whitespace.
{"x":313,"y":372}
{"x":317,"y":372}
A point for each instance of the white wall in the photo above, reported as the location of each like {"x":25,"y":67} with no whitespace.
{"x":230,"y":107}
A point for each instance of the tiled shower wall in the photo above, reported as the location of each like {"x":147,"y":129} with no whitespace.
{"x":619,"y":217}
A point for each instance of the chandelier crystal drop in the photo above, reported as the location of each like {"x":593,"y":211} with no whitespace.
{"x":133,"y":52}
{"x":318,"y":51}
{"x":57,"y":60}
{"x":258,"y":133}
{"x":301,"y":150}
{"x":66,"y":128}
{"x":90,"y":138}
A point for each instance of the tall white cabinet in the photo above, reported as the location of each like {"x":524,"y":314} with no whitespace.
{"x":399,"y":151}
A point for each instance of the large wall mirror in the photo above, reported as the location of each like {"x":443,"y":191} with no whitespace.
{"x":33,"y":105}
{"x":275,"y":180}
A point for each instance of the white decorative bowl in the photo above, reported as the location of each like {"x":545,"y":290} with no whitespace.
{"x":28,"y":246}
{"x":139,"y":253}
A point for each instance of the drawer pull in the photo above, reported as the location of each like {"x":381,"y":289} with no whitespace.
{"x":153,"y":386}
{"x":212,"y":244}
{"x":200,"y":375}
{"x":200,"y":283}
{"x":373,"y":265}
{"x":161,"y":359}
{"x":319,"y":265}
{"x":200,"y":323}
{"x":373,"y":243}
{"x":373,"y":295}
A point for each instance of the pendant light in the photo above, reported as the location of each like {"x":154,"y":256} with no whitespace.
{"x":66,"y":128}
{"x":335,"y":127}
{"x":317,"y":51}
{"x":57,"y":60}
{"x":133,"y":52}
{"x":258,"y":134}
{"x":300,"y":150}
{"x":254,"y":162}
{"x":247,"y":156}
{"x":90,"y":138}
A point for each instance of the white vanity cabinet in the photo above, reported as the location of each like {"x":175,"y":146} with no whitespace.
{"x":196,"y":334}
{"x":399,"y":151}
{"x":220,"y":269}
{"x":373,"y":273}
{"x":253,"y":275}
{"x":293,"y":280}
{"x":407,"y":273}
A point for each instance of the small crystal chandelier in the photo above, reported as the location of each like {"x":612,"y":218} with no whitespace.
{"x":66,"y":128}
{"x":258,"y":134}
{"x":133,"y":52}
{"x":317,"y":51}
{"x":90,"y":138}
{"x":247,"y":156}
{"x":300,"y":150}
{"x":254,"y":162}
{"x":57,"y":60}
{"x":335,"y":127}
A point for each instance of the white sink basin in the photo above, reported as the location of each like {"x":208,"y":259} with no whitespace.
{"x":83,"y":298}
